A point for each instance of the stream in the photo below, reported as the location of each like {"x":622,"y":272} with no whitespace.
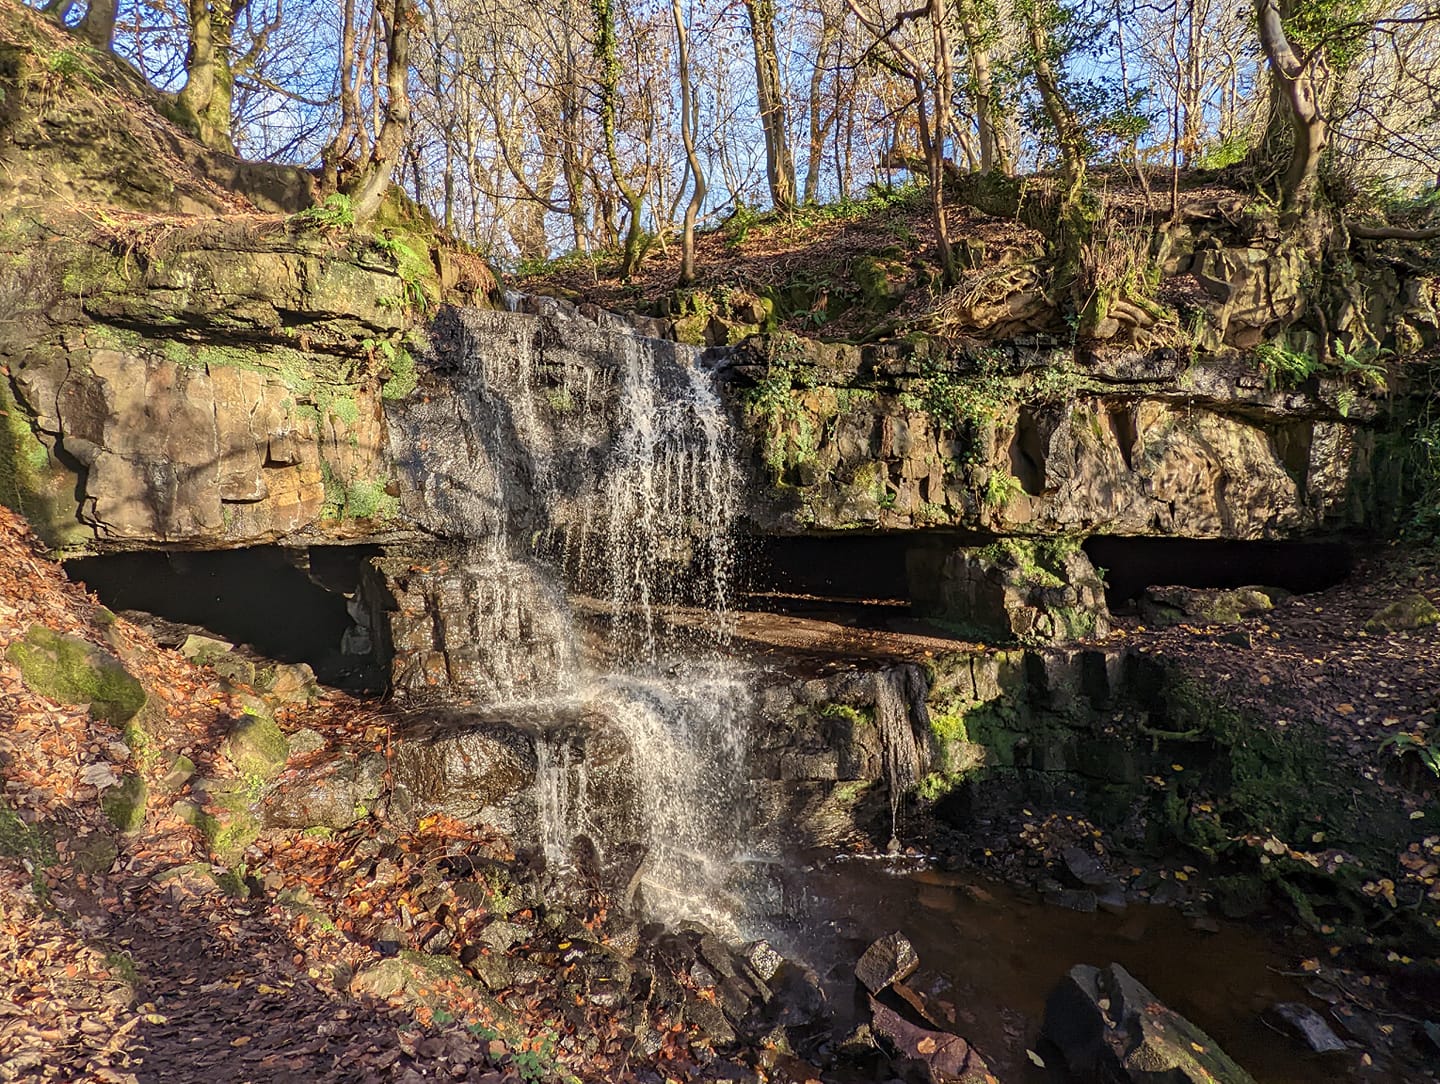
{"x":991,"y":955}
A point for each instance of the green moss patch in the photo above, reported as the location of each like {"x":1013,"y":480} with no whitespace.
{"x":256,"y":746}
{"x":1412,"y":612}
{"x":125,"y":804}
{"x":72,"y":671}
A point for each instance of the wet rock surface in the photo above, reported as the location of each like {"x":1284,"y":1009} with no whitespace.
{"x":1110,"y":1027}
{"x":889,"y":960}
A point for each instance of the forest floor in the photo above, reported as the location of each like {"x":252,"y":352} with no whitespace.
{"x":848,"y":270}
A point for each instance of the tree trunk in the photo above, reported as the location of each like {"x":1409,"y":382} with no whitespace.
{"x":779,"y":163}
{"x":935,"y":151}
{"x":97,"y":26}
{"x":989,"y":118}
{"x":1300,"y":86}
{"x":820,"y":124}
{"x":208,"y":94}
{"x":1074,"y":225}
{"x":372,"y":180}
{"x":687,"y":136}
{"x":633,"y":197}
{"x":332,"y":158}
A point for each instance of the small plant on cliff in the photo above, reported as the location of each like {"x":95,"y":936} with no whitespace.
{"x":336,"y":213}
{"x":965,"y":405}
{"x":1362,"y":370}
{"x":74,"y":62}
{"x":1000,"y":488}
{"x":789,"y":429}
{"x":414,"y":268}
{"x":1283,"y":367}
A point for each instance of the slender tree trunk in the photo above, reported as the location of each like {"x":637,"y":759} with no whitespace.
{"x":1299,"y":85}
{"x":632,"y":195}
{"x":688,"y":117}
{"x":372,"y":180}
{"x":989,"y":121}
{"x":779,"y":163}
{"x":332,"y":158}
{"x":820,"y":124}
{"x":944,"y":121}
{"x":1075,"y":227}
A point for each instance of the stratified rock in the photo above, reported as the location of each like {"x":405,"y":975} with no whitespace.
{"x":1411,"y":612}
{"x":946,"y":1057}
{"x":1110,"y":1027}
{"x":1017,"y":589}
{"x":1308,"y":1025}
{"x":890,"y":959}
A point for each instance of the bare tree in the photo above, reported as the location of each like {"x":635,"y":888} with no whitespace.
{"x":779,"y":162}
{"x":688,"y":117}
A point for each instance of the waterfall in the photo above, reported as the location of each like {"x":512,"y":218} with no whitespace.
{"x":577,"y":447}
{"x":903,"y":721}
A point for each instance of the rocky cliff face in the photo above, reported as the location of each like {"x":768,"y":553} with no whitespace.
{"x":1038,"y":441}
{"x":212,"y":395}
{"x":206,"y":362}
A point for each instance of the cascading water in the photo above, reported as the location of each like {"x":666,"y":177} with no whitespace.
{"x":611,"y":455}
{"x":901,"y":714}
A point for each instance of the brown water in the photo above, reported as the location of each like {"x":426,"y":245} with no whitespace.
{"x":992,"y":956}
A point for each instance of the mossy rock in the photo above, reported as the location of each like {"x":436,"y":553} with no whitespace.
{"x":182,"y":770}
{"x":125,"y":804}
{"x":256,"y":746}
{"x":1411,"y":612}
{"x":72,"y":671}
{"x":691,"y":330}
{"x":229,"y":831}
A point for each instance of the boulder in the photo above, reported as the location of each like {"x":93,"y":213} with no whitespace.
{"x":459,"y":767}
{"x":945,"y":1057}
{"x":256,"y":746}
{"x":334,"y":796}
{"x":1110,"y":1027}
{"x":1036,"y":592}
{"x":73,"y":671}
{"x":1308,"y":1025}
{"x":1411,"y":612}
{"x":889,"y":959}
{"x":1163,"y":606}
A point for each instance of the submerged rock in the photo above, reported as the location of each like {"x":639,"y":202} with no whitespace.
{"x":1110,"y":1027}
{"x":890,"y":959}
{"x":946,"y":1057}
{"x":1308,"y":1025}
